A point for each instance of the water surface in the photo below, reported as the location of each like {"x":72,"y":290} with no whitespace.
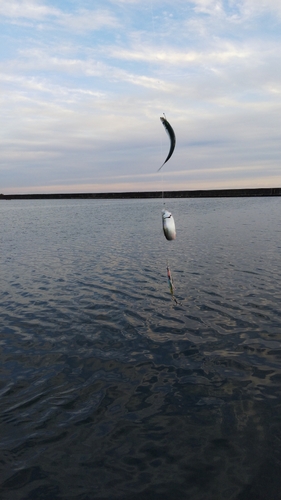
{"x":111,"y":390}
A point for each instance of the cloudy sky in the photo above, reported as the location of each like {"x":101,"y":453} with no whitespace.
{"x":83,"y":84}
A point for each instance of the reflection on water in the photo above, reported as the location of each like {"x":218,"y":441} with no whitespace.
{"x":108,"y":389}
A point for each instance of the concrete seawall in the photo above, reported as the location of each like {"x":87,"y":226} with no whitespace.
{"x":208,"y":193}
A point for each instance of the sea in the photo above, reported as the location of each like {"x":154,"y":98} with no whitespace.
{"x":112,"y":388}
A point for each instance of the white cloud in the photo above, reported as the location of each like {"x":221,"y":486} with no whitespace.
{"x":176,"y":57}
{"x":213,"y":7}
{"x":86,"y":20}
{"x":235,"y":9}
{"x":63,"y":93}
{"x":251,"y":8}
{"x":81,"y":20}
{"x":27,"y":9}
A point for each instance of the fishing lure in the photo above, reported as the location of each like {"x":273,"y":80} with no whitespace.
{"x":169,"y":227}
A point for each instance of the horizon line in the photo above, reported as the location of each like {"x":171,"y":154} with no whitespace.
{"x":195,"y":193}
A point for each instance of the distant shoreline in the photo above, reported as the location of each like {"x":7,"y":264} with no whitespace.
{"x":201,"y":193}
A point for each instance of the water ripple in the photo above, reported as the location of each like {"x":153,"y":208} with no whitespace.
{"x":108,"y":388}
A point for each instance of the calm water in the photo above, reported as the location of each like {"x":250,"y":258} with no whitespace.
{"x":108,"y":388}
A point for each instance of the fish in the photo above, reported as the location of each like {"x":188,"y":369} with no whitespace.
{"x":172,"y":135}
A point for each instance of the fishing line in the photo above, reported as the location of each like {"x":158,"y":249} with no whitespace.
{"x":162,"y":183}
{"x":168,"y":222}
{"x":152,"y":18}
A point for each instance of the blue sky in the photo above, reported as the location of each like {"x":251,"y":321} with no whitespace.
{"x":83,"y":84}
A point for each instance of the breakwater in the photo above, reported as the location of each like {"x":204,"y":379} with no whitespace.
{"x":201,"y":193}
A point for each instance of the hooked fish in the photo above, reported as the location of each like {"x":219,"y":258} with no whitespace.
{"x":172,"y":136}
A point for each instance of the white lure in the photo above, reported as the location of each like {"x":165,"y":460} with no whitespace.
{"x":169,"y":227}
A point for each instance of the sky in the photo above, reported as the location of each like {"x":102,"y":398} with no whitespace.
{"x":83,"y":85}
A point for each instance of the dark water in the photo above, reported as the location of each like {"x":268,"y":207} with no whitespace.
{"x":108,"y":388}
